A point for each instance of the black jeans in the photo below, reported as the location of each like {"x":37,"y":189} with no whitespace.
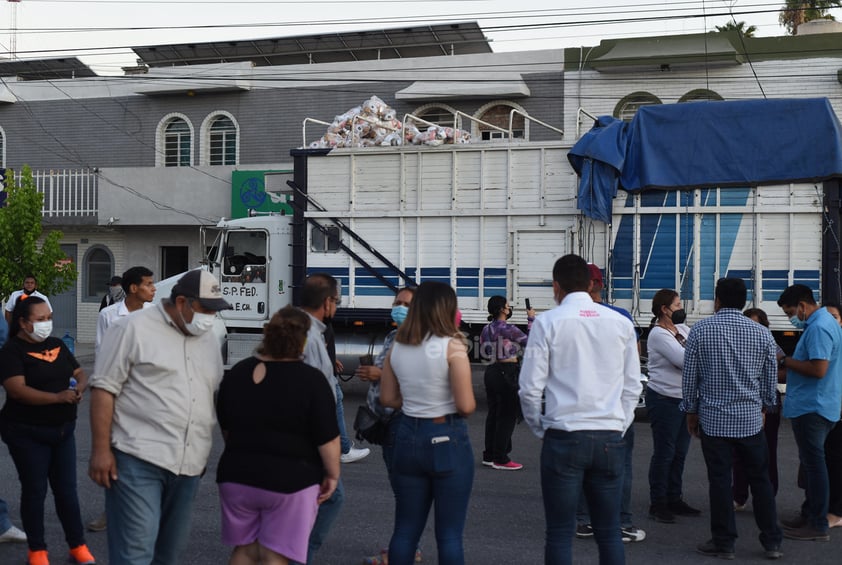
{"x":755,"y":456}
{"x":503,"y":410}
{"x":833,"y":460}
{"x":770,"y":431}
{"x":46,"y":454}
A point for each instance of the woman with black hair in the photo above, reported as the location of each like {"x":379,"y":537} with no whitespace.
{"x":501,"y":343}
{"x":44,"y":385}
{"x":670,"y":438}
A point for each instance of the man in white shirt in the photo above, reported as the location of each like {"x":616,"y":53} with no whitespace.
{"x":583,"y":358}
{"x":30,"y":286}
{"x":139,"y":291}
{"x":152,"y":420}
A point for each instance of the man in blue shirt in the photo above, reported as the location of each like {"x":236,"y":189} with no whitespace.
{"x":813,"y":403}
{"x":728,"y":381}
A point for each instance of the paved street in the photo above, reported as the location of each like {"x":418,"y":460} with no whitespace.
{"x":505,"y":521}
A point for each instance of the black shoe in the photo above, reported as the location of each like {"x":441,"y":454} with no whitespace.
{"x":631,"y":534}
{"x":681,"y":508}
{"x":584,"y":531}
{"x":710,"y":549}
{"x":773,"y":552}
{"x":806,"y":533}
{"x":794,"y":523}
{"x":661,"y":513}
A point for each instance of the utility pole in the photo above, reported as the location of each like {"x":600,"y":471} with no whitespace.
{"x":13,"y":41}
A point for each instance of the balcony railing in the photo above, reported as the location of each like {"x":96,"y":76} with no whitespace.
{"x":67,"y":192}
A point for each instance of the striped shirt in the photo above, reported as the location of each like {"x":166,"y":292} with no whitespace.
{"x":730,"y":374}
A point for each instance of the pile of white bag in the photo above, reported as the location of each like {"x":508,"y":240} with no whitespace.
{"x":375,"y":123}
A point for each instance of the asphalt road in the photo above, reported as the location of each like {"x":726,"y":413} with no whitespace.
{"x":505,"y":520}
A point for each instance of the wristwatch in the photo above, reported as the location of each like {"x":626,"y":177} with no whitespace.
{"x":781,"y":362}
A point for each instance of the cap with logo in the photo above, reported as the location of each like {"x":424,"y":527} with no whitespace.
{"x":202,"y":286}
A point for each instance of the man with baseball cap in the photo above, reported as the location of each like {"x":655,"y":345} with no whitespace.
{"x":152,"y":419}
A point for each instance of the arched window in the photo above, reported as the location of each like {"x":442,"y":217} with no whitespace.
{"x":439,"y":114}
{"x":699,"y":95}
{"x":174,"y":141}
{"x":629,"y":105}
{"x":98,"y":266}
{"x":177,"y":144}
{"x":497,"y":114}
{"x":220,"y":140}
{"x":223,"y":142}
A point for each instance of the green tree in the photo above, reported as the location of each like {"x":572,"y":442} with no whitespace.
{"x":22,"y":249}
{"x":739,"y":27}
{"x":796,"y":12}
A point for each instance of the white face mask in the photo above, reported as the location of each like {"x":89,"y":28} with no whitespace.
{"x":41,"y":330}
{"x":201,"y":324}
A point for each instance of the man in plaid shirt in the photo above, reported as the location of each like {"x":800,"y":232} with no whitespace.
{"x":729,"y":379}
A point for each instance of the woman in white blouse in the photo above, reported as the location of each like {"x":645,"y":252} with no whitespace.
{"x":427,"y":375}
{"x":670,"y":438}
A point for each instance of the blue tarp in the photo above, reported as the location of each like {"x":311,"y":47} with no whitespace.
{"x":707,"y":144}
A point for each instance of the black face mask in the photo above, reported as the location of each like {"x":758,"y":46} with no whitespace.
{"x":678,"y":316}
{"x":509,"y":313}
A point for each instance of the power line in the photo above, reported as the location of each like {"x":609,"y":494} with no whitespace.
{"x":506,"y":15}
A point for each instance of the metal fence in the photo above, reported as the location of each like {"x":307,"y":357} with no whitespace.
{"x":68,"y":192}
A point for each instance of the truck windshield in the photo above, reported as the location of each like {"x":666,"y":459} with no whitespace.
{"x":245,"y":256}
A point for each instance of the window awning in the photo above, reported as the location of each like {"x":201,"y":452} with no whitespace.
{"x":666,"y":53}
{"x":455,"y":89}
{"x":6,"y":95}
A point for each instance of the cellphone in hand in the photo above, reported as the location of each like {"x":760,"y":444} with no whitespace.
{"x":528,"y":305}
{"x":366,"y":360}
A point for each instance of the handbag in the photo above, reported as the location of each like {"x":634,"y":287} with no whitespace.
{"x":370,"y":427}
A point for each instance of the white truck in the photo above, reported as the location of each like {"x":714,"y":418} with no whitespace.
{"x":492,"y":219}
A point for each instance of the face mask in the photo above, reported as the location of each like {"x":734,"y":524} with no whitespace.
{"x":509,"y":313}
{"x":797,"y":322}
{"x":201,"y":324}
{"x":117,"y":293}
{"x":399,"y":313}
{"x":41,"y":330}
{"x":678,"y":316}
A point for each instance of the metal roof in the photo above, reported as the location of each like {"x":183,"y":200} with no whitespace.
{"x":46,"y":69}
{"x":419,"y":41}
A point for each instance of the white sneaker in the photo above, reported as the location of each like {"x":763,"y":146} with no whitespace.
{"x":13,"y":535}
{"x":354,"y":454}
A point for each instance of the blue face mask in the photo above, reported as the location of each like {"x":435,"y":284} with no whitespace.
{"x":399,"y":314}
{"x":797,"y":322}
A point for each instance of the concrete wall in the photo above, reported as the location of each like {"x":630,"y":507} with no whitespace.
{"x":599,"y":93}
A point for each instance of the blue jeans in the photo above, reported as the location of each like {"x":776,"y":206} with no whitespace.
{"x":46,"y":454}
{"x":583,"y":516}
{"x":344,"y":441}
{"x":389,"y":446}
{"x":433,"y":462}
{"x":5,"y":523}
{"x":148,"y":510}
{"x":571,"y":461}
{"x":670,"y":443}
{"x":810,"y":431}
{"x":328,"y":512}
{"x":718,"y":452}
